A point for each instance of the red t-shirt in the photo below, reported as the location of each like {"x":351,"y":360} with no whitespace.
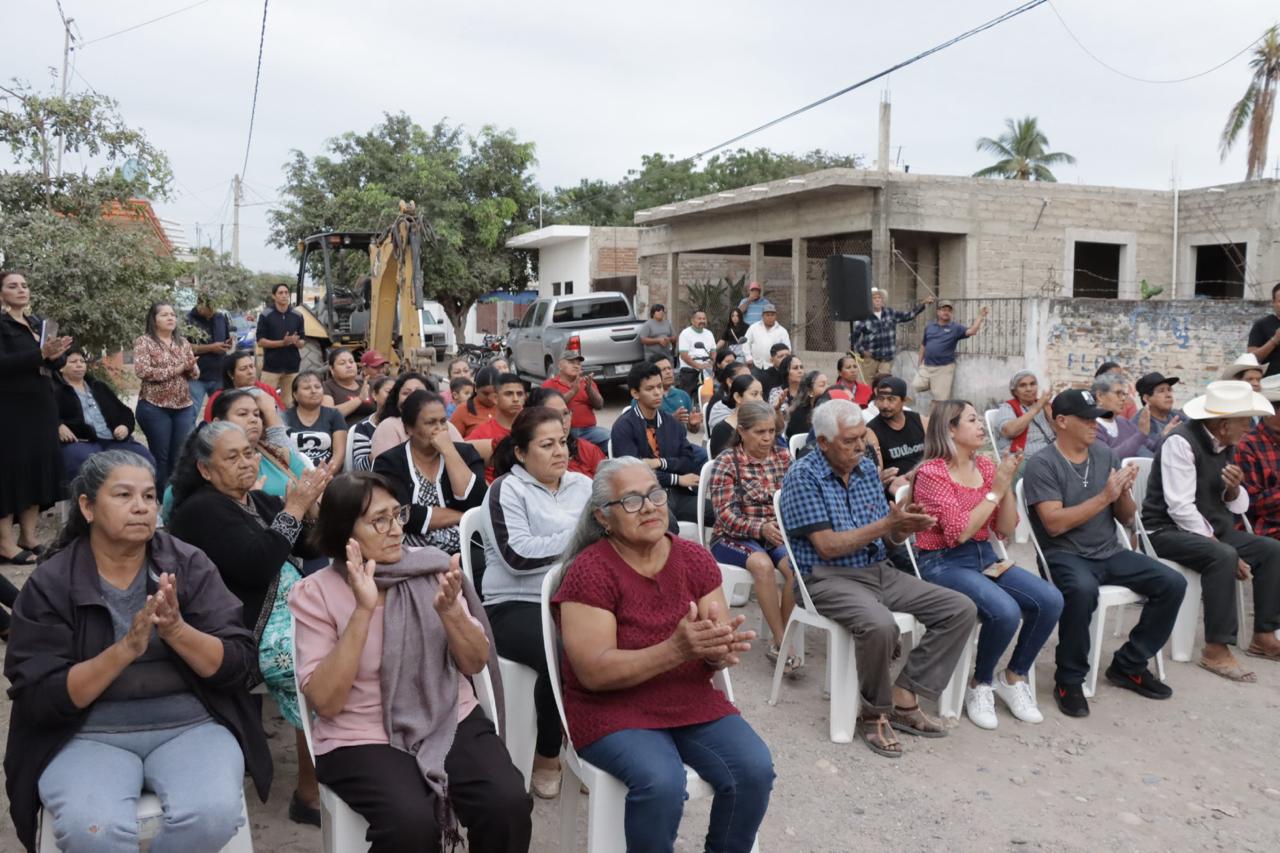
{"x":495,"y":432}
{"x":583,"y":414}
{"x":586,"y":459}
{"x":647,"y":611}
{"x":465,"y":422}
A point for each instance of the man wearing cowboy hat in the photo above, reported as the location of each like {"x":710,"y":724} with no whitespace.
{"x":875,"y":338}
{"x":1193,"y":497}
{"x":937,"y":370}
{"x":1259,"y":458}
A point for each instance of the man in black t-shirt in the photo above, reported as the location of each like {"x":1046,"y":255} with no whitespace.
{"x":1264,"y":337}
{"x":899,"y":433}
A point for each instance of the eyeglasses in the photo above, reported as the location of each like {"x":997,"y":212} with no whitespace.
{"x":633,"y":503}
{"x":400,"y":516}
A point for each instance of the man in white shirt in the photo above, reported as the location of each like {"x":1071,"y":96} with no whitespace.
{"x":762,"y":335}
{"x":696,"y":347}
{"x":1193,"y":498}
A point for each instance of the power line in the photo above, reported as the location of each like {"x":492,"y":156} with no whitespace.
{"x":1012,"y":13}
{"x":141,"y":25}
{"x":1115,"y":70}
{"x":257,"y":78}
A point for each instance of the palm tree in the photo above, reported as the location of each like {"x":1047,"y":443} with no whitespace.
{"x":1256,"y":106}
{"x":1021,"y":149}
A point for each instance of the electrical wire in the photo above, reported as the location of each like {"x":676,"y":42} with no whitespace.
{"x":1000,"y":19}
{"x":1115,"y":70}
{"x":141,"y":25}
{"x":257,"y":78}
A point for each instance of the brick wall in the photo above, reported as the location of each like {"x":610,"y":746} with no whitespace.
{"x":613,"y":262}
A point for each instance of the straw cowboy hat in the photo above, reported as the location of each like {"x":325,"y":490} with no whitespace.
{"x":1228,"y":399}
{"x":1244,"y":363}
{"x":1271,"y":388}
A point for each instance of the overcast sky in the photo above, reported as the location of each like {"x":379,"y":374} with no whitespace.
{"x":596,"y":85}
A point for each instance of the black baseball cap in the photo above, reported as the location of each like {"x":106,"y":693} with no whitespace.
{"x":1150,"y":381}
{"x":893,"y":385}
{"x":1079,"y":403}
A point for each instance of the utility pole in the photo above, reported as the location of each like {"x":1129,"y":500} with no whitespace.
{"x":235,"y":220}
{"x":66,"y":55}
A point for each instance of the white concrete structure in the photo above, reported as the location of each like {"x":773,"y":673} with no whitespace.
{"x":564,"y":258}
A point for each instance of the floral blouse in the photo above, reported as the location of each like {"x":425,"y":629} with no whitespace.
{"x":164,"y":372}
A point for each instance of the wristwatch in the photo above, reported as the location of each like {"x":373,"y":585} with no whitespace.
{"x":991,"y":496}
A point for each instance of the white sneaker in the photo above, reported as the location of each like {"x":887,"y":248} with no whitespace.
{"x":1019,"y":699}
{"x":980,"y":706}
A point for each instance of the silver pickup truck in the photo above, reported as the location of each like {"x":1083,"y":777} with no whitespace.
{"x":600,"y":325}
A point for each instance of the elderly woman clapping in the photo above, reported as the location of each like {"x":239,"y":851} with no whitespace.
{"x":388,"y":638}
{"x":645,"y":624}
{"x":127,"y":661}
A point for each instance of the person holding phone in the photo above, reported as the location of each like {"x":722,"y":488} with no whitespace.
{"x":972,"y":499}
{"x":30,"y":455}
{"x":216,"y":342}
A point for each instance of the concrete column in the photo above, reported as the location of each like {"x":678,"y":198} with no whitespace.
{"x":881,"y":247}
{"x":672,"y":299}
{"x":799,"y":291}
{"x":757,"y":263}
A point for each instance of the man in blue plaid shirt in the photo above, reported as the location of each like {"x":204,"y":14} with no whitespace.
{"x":875,"y":338}
{"x":837,"y":520}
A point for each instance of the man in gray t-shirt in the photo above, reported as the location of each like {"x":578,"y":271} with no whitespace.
{"x":656,"y":334}
{"x":1076,"y":493}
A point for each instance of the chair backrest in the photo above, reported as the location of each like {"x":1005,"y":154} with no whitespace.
{"x":990,"y":417}
{"x":304,"y":710}
{"x":791,"y":557}
{"x":348,"y":455}
{"x":703,"y":476}
{"x":609,"y":448}
{"x":550,"y":648}
{"x":902,"y":497}
{"x":1139,"y":492}
{"x":471,"y":524}
{"x":796,"y":442}
{"x":1041,"y":563}
{"x":870,"y":413}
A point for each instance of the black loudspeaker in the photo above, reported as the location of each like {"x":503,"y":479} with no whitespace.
{"x":849,"y":287}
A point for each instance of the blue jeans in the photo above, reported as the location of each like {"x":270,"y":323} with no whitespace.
{"x":597,"y":435}
{"x":74,"y":453}
{"x":201,"y":390}
{"x":1017,"y":595}
{"x":91,"y":787}
{"x":727,"y":753}
{"x":166,"y":430}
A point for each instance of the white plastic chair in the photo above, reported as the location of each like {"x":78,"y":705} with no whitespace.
{"x":735,"y":580}
{"x":1109,"y":596}
{"x":348,"y":453}
{"x":606,"y":807}
{"x":796,"y":442}
{"x":342,"y":828}
{"x":608,"y":449}
{"x":150,"y":816}
{"x":951,"y":702}
{"x":870,"y":413}
{"x":842,"y":665}
{"x":990,"y":417}
{"x":1183,"y":639}
{"x":520,"y":719}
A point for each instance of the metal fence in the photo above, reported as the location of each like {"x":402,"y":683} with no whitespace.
{"x":1004,"y":332}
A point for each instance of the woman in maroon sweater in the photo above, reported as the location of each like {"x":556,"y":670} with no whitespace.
{"x":645,"y":625}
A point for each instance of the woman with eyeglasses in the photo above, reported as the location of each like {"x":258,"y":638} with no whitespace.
{"x":388,"y":639}
{"x":645,"y":625}
{"x":437,"y":477}
{"x":530,"y":511}
{"x":250,"y":536}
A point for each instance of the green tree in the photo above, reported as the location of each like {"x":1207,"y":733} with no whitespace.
{"x":95,"y":275}
{"x":227,"y":285}
{"x":1256,"y":107}
{"x":662,"y":179}
{"x":473,"y":191}
{"x":1022,"y":152}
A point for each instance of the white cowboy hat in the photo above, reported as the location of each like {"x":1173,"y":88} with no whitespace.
{"x":1228,"y":399}
{"x":1271,"y":388}
{"x":1248,"y":361}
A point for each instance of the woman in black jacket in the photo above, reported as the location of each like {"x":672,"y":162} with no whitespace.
{"x":438,"y":478}
{"x":250,"y":535}
{"x":127,"y":661}
{"x":91,"y":418}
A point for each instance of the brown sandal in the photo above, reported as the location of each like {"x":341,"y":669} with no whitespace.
{"x":913,"y":721}
{"x":879,"y":737}
{"x":1231,"y":671}
{"x":1256,"y":651}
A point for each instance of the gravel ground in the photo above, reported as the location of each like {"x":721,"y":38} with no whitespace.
{"x":1196,"y":772}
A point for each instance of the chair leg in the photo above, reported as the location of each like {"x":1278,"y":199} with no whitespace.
{"x":1183,"y":638}
{"x":951,"y":702}
{"x":846,"y":697}
{"x":570,"y":794}
{"x":606,"y":814}
{"x":784,"y":648}
{"x":1097,"y":629}
{"x":1244,"y":633}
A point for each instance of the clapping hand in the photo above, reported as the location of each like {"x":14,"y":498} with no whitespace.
{"x":360,"y":577}
{"x":1118,"y":481}
{"x":1005,"y":472}
{"x":887,"y":475}
{"x":738,"y":641}
{"x":446,"y":601}
{"x":904,"y":521}
{"x":168,"y":616}
{"x":1173,"y":424}
{"x":701,"y":637}
{"x":1232,"y":478}
{"x":55,"y":347}
{"x":301,"y":494}
{"x":139,"y":635}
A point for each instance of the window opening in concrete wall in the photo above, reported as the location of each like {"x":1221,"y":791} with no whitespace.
{"x":555,"y":288}
{"x":1220,"y":270}
{"x":1097,"y":270}
{"x":568,"y":288}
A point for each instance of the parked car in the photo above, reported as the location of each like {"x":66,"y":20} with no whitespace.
{"x":602,"y":326}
